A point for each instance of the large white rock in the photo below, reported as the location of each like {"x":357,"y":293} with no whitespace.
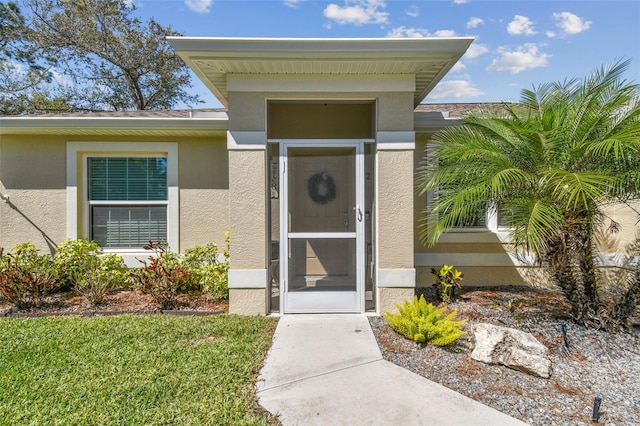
{"x":512,"y":348}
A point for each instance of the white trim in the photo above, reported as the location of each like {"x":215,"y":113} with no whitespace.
{"x":320,"y":83}
{"x":474,"y":235}
{"x":395,"y":140}
{"x":247,"y":140}
{"x":247,"y":278}
{"x":77,"y":151}
{"x":405,"y":277}
{"x":504,"y":259}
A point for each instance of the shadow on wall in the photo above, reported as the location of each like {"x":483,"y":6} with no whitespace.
{"x":51,"y":244}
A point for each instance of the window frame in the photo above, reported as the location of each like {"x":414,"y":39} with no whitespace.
{"x":79,"y":205}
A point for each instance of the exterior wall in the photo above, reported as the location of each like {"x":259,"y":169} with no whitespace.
{"x":33,"y":175}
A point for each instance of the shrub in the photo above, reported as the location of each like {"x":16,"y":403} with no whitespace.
{"x":423,"y":322}
{"x":163,"y":276}
{"x":208,"y":272}
{"x":26,"y":277}
{"x":447,"y":281}
{"x":81,"y":262}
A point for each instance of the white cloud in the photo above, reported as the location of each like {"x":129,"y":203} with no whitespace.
{"x":445,"y":33}
{"x":292,"y":3}
{"x":475,"y":50}
{"x":570,"y":23}
{"x":455,"y":89}
{"x":460,"y":1}
{"x":551,"y":34}
{"x":413,"y":11}
{"x":525,"y":57}
{"x":474,"y":22}
{"x":458,"y":67}
{"x":520,"y":25}
{"x":404,"y":32}
{"x":358,"y":12}
{"x":199,"y":6}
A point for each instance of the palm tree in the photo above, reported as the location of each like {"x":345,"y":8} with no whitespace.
{"x":550,"y":162}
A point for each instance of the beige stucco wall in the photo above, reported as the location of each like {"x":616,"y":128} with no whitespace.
{"x":389,"y":297}
{"x":247,"y":301}
{"x":247,"y":209}
{"x":395,"y":209}
{"x":33,"y":174}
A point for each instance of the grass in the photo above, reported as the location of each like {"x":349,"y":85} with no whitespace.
{"x":151,"y":370}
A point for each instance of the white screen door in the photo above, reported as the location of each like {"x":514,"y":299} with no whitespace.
{"x":322,"y":226}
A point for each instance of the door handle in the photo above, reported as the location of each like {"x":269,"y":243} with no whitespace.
{"x":358,"y":213}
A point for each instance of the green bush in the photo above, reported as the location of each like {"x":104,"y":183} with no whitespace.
{"x":83,"y":267}
{"x":26,"y":277}
{"x":423,"y":322}
{"x":163,"y":275}
{"x":208,"y":272}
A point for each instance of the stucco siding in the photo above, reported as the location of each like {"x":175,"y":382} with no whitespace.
{"x":247,"y":209}
{"x":204,"y":192}
{"x":32,"y":175}
{"x":395,"y":209}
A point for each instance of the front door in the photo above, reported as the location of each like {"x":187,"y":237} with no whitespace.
{"x":322,"y":226}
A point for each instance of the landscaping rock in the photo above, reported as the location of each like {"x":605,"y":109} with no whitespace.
{"x":513,"y":348}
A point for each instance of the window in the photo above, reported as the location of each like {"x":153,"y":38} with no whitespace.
{"x":127,"y":200}
{"x":122,"y":195}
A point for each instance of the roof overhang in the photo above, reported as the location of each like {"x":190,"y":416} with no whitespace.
{"x":214,"y":59}
{"x":108,"y":126}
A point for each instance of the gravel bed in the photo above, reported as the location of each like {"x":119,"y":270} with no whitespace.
{"x":595,"y":363}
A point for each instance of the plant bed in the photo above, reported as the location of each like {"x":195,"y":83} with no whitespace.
{"x":595,"y":363}
{"x":118,"y":302}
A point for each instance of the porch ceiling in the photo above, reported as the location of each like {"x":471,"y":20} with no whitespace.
{"x":428,"y":59}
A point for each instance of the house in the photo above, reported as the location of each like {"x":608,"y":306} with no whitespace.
{"x":310,"y":166}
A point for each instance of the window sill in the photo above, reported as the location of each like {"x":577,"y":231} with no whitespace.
{"x":475,"y":235}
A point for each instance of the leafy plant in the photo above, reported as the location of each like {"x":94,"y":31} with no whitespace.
{"x":423,"y":322}
{"x":73,"y":258}
{"x":163,"y":276}
{"x":447,"y":281}
{"x":26,"y":277}
{"x":208,"y":272}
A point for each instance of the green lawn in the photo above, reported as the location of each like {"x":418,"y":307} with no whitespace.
{"x":132,"y":370}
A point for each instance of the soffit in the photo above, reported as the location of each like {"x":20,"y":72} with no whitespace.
{"x":213,"y":59}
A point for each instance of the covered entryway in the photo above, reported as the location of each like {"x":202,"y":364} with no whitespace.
{"x":302,"y":114}
{"x":322,"y":226}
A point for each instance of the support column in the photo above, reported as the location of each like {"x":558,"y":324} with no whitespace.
{"x":396,"y":275}
{"x":248,"y":226}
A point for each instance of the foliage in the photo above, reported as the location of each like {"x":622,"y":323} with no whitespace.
{"x":424,"y":322}
{"x":132,"y":370}
{"x":447,"y":281}
{"x":73,"y":258}
{"x":82,"y":266}
{"x":552,"y":162}
{"x":26,"y":277}
{"x":103,"y":58}
{"x":163,"y":276}
{"x":208,"y":272}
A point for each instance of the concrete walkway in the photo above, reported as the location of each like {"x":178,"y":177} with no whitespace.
{"x":328,"y":370}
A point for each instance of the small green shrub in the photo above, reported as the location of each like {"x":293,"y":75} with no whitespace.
{"x":83,"y":267}
{"x":26,"y":277}
{"x":163,"y":276}
{"x":448,"y":280}
{"x":208,"y":272}
{"x":423,"y":322}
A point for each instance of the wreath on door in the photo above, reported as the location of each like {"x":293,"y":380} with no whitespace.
{"x":321,"y":188}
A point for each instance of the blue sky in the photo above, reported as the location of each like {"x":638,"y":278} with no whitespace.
{"x":518,"y":44}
